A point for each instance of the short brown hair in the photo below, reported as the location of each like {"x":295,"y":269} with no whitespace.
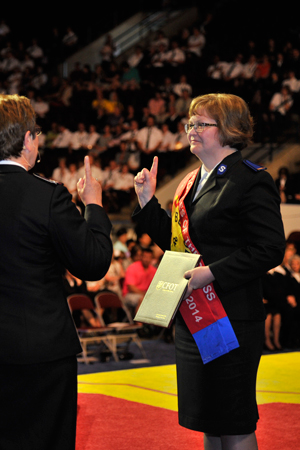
{"x":231,"y":114}
{"x":17,"y":116}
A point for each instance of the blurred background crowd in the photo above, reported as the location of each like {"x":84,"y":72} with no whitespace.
{"x":124,"y":110}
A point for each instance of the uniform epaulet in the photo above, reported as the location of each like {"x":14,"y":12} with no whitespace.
{"x":253,"y":166}
{"x":45,"y":179}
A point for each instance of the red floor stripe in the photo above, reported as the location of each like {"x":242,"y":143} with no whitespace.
{"x":109,"y":423}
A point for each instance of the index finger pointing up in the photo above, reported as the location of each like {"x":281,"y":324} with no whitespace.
{"x":87,"y":167}
{"x":154,"y":167}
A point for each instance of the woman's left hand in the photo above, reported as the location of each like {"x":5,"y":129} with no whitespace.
{"x":198,"y":278}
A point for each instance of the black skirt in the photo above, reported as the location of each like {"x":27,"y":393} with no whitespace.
{"x":219,"y":397}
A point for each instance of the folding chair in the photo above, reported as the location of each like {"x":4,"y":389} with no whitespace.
{"x":122,"y":331}
{"x":88,"y":335}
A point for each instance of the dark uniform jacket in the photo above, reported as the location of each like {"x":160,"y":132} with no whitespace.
{"x":42,"y":233}
{"x":235,"y":223}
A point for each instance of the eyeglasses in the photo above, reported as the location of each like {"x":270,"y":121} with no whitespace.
{"x":37,"y":130}
{"x":198,"y":126}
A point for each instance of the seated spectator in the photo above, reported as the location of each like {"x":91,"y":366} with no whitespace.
{"x":115,"y":275}
{"x":123,"y":187}
{"x":163,"y":151}
{"x":82,"y":318}
{"x":78,"y":142}
{"x":120,"y":243}
{"x":107,"y":52}
{"x":130,"y":139}
{"x":69,"y":42}
{"x":264,"y":67}
{"x":138,"y":277}
{"x":175,"y":59}
{"x":249,"y":68}
{"x":62,"y":140}
{"x":122,"y":154}
{"x":279,"y":107}
{"x":128,"y":75}
{"x":156,"y":104}
{"x":135,"y":59}
{"x":156,"y":69}
{"x":35,"y":51}
{"x":182,"y":103}
{"x":166,"y":88}
{"x":102,"y":144}
{"x":172,"y":118}
{"x":135,"y":255}
{"x":182,"y":85}
{"x":92,"y":137}
{"x":233,"y":69}
{"x":110,"y":172}
{"x":61,"y":170}
{"x":195,"y":43}
{"x":149,"y":139}
{"x":160,"y":39}
{"x":70,"y":179}
{"x":180,"y":150}
{"x":285,"y":185}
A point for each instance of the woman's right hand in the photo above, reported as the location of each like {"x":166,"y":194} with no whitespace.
{"x":145,"y":183}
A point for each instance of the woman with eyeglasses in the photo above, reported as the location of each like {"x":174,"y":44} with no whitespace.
{"x":228,"y":210}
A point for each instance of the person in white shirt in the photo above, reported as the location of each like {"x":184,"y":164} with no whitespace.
{"x":196,"y":42}
{"x":249,"y":67}
{"x":182,"y":85}
{"x":59,"y":173}
{"x":35,"y":51}
{"x":79,"y":141}
{"x":163,"y":151}
{"x":234,"y":69}
{"x":63,"y":139}
{"x":175,"y":57}
{"x":292,"y":82}
{"x":70,"y":179}
{"x":279,"y":107}
{"x":149,"y":139}
{"x":92,"y":137}
{"x":130,"y":137}
{"x":281,"y":102}
{"x":179,"y":150}
{"x":135,"y":58}
{"x":41,"y":107}
{"x":123,"y":186}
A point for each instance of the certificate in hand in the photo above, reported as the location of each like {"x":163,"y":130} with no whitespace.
{"x":167,"y":289}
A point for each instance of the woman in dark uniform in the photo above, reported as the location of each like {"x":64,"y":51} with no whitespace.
{"x":233,"y":216}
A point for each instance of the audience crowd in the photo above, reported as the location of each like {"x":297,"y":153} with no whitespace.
{"x":122,"y":112}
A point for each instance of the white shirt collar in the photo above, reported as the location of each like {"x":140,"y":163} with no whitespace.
{"x":11,"y":163}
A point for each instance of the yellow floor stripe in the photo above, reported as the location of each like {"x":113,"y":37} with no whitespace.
{"x":154,"y":386}
{"x":278,"y":381}
{"x":279,"y":378}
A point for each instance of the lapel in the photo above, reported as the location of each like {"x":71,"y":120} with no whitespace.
{"x":219,"y":172}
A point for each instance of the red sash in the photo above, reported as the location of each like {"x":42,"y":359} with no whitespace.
{"x":202,"y":311}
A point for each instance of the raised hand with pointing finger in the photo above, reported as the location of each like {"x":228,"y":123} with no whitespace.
{"x":145,"y":183}
{"x":88,"y":187}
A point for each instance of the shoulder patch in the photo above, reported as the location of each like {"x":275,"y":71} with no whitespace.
{"x":45,"y":179}
{"x":253,"y":166}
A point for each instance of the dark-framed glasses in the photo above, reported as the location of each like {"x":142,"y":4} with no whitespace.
{"x":37,"y":130}
{"x":198,"y":126}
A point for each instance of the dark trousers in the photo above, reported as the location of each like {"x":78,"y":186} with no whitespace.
{"x":38,"y":405}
